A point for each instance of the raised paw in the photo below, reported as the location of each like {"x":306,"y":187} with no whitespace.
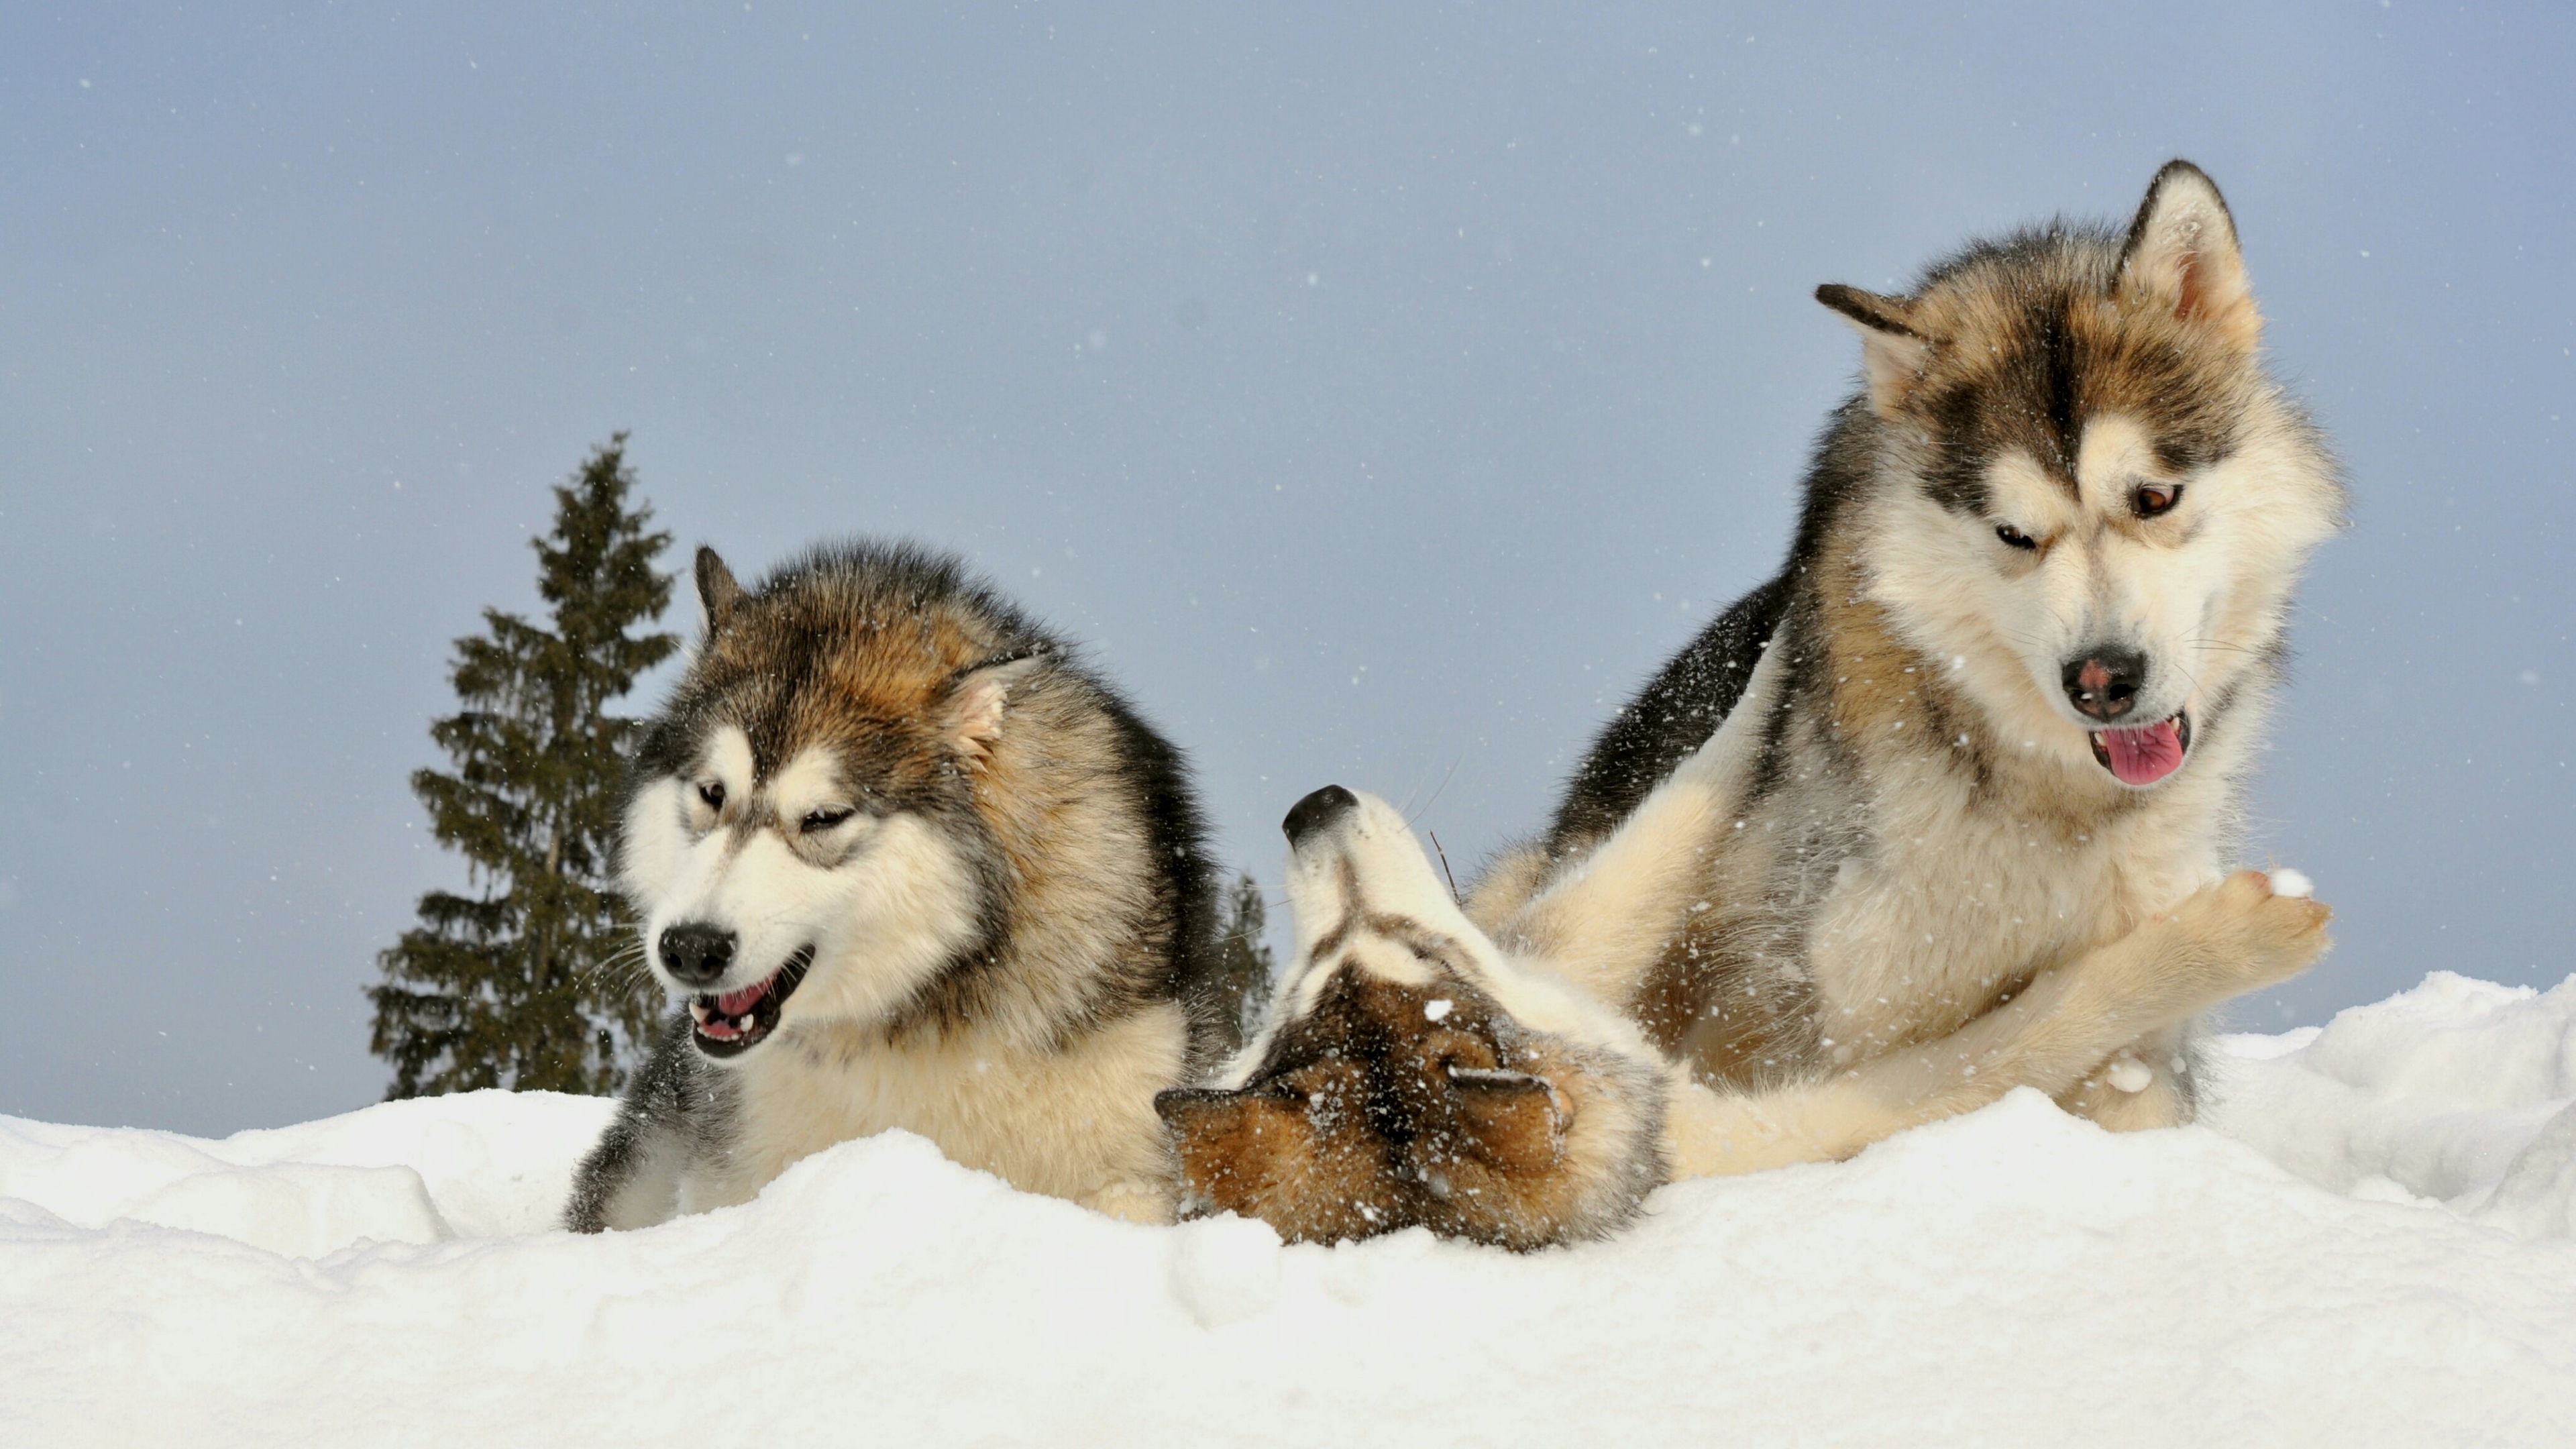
{"x":2241,"y":935}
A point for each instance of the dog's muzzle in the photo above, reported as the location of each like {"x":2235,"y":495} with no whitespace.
{"x":727,"y":1024}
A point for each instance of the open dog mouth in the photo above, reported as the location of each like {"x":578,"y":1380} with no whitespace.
{"x":2145,"y":755}
{"x":733,"y":1022}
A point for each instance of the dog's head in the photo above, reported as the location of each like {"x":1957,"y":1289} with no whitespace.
{"x":2092,"y":502}
{"x":802,"y":839}
{"x":1407,"y":1076}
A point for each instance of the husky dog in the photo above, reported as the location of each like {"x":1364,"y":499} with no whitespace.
{"x":1412,"y":1073}
{"x":912,"y":866}
{"x":2027,"y":634}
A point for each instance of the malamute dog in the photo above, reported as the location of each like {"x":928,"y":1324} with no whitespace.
{"x":912,"y":866}
{"x":2027,"y":634}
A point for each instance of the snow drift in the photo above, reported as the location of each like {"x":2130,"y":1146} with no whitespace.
{"x":2369,"y":1244}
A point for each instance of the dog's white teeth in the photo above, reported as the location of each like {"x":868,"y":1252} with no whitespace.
{"x":698,"y":1009}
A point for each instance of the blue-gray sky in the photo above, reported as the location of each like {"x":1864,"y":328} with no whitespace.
{"x":1382,"y":390}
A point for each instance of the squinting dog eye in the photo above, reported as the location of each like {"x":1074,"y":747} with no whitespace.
{"x":2015,"y":536}
{"x":2151,"y":499}
{"x":825,"y":818}
{"x":713,"y":793}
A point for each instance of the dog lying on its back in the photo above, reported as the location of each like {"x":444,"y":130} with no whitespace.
{"x":911,"y":866}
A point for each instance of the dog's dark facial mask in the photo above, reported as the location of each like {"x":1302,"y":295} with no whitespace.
{"x":1386,"y":1106}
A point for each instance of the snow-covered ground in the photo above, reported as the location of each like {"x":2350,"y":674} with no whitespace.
{"x":2369,"y":1245}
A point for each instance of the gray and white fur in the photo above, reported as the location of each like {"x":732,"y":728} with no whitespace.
{"x":2027,"y":635}
{"x":910,"y":865}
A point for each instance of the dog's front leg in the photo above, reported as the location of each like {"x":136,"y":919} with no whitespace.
{"x":2147,"y":1083}
{"x":2229,"y":939}
{"x":631,"y":1179}
{"x":2153,"y":1081}
{"x":1604,"y":920}
{"x":2120,"y":1014}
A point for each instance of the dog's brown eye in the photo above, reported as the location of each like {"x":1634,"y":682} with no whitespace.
{"x":2154,"y":498}
{"x":713,"y":793}
{"x":2015,"y":536}
{"x":825,"y":818}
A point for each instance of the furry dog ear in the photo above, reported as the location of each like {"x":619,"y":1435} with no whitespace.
{"x":971,"y":716}
{"x":717,"y":591}
{"x":2182,"y":256}
{"x":1514,"y":1120}
{"x":1892,"y":353}
{"x":1181,"y":1106}
{"x":1213,"y":1132}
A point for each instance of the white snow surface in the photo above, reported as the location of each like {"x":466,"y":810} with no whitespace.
{"x":2367,"y":1243}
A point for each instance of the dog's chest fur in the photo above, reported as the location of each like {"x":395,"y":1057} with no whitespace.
{"x":1076,"y":1122}
{"x":1951,"y":904}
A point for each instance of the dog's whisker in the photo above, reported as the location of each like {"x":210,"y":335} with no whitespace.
{"x":1411,"y":816}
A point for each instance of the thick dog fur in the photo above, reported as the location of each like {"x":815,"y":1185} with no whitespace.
{"x":1412,"y":1073}
{"x":971,"y":879}
{"x":2067,"y":488}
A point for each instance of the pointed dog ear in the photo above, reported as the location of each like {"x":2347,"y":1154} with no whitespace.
{"x":1211,"y":1128}
{"x":971,"y":715}
{"x":2182,"y":256}
{"x":1243,"y":1152}
{"x":1892,"y":352}
{"x":1188,"y":1107}
{"x":717,"y":591}
{"x":1514,"y":1120}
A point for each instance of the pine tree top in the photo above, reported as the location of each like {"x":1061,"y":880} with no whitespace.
{"x":531,"y":983}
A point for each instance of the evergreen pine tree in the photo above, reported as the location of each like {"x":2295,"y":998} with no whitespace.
{"x":532,"y":981}
{"x":1243,"y":956}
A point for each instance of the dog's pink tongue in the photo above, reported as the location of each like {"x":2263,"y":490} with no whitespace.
{"x":2142,"y":757}
{"x":735,"y":1003}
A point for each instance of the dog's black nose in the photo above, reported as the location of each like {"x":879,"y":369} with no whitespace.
{"x":696,"y":953}
{"x":1317,"y":811}
{"x":2104,"y":684}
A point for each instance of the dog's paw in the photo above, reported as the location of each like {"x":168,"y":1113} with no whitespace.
{"x":2242,"y":935}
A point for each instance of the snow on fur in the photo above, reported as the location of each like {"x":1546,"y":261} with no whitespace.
{"x":2368,"y":1244}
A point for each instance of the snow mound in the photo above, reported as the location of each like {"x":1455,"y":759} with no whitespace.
{"x":2370,"y":1248}
{"x":2459,"y":1092}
